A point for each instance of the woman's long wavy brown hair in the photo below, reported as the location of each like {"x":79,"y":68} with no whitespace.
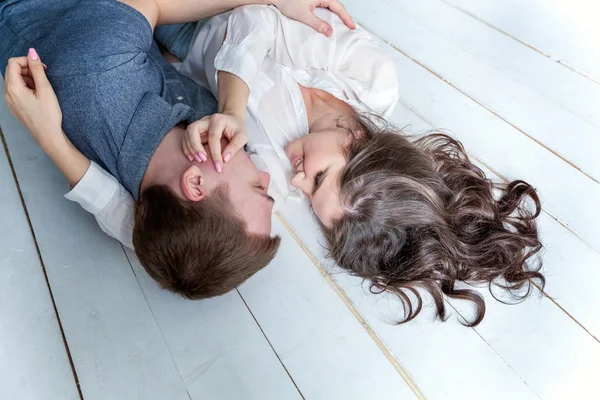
{"x":420,"y":215}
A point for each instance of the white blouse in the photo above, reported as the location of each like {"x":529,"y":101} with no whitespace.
{"x":273,"y":55}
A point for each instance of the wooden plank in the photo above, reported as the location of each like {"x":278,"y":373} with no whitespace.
{"x":499,"y":73}
{"x":502,"y":147}
{"x":499,"y":345}
{"x":513,"y":156}
{"x":566,"y":257}
{"x":117,"y":348}
{"x":318,"y":339}
{"x":445,"y":360}
{"x":565,"y":32}
{"x":216,"y":345}
{"x":33,"y":359}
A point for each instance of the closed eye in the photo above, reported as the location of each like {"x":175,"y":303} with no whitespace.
{"x":318,"y":178}
{"x":263,"y":192}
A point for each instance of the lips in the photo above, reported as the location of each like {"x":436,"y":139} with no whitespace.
{"x":297,"y":162}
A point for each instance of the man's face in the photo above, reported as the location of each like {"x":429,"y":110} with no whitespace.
{"x":247,"y":189}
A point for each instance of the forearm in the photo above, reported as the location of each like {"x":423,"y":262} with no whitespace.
{"x":179,"y":11}
{"x":233,"y":94}
{"x":67,"y":158}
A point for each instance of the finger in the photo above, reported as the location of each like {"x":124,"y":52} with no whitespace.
{"x":13,"y":75}
{"x":193,"y":140}
{"x":317,"y":24}
{"x":37,"y":71}
{"x":339,"y":9}
{"x":29,"y":82}
{"x":234,"y":146}
{"x":186,"y":150}
{"x":215,"y":132}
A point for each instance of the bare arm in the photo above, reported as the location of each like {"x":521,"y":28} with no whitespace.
{"x":162,"y":12}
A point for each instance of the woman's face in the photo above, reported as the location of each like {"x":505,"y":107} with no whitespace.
{"x":318,"y":160}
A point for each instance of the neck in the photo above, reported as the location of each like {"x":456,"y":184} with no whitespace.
{"x":167,"y":163}
{"x":323,"y":109}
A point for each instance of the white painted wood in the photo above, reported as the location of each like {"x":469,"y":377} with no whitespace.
{"x":503,"y":148}
{"x":117,"y":348}
{"x":321,"y":343}
{"x":500,"y":73}
{"x":512,"y":345}
{"x":33,"y":359}
{"x":217,"y":345}
{"x":445,"y":360}
{"x":513,"y":156}
{"x":567,"y":32}
{"x":566,"y":257}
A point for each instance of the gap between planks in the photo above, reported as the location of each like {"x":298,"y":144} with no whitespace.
{"x":344,"y":297}
{"x":184,"y":378}
{"x":437,"y":75}
{"x":270,"y":345}
{"x":477,"y":18}
{"x":39,"y":254}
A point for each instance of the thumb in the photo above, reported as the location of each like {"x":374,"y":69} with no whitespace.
{"x":36,"y":69}
{"x":317,"y":24}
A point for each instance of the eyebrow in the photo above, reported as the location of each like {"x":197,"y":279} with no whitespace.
{"x":321,"y":181}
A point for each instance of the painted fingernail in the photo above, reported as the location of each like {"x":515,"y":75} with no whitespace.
{"x":328,"y":32}
{"x":227,"y":157}
{"x":197,"y":157}
{"x":45,"y":66}
{"x":189,"y":157}
{"x":218,"y":167}
{"x":203,"y":156}
{"x":33,"y":54}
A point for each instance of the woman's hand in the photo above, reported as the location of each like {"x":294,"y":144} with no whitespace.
{"x":210,"y":130}
{"x":303,"y":11}
{"x":31,"y":99}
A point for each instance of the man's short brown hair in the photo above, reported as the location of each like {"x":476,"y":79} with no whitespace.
{"x":197,"y":249}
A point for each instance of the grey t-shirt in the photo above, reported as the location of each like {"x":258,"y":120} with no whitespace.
{"x":118,"y":94}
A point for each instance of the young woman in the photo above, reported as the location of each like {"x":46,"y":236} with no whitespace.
{"x":403,"y":214}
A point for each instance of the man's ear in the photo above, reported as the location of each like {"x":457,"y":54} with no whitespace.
{"x":192,"y":183}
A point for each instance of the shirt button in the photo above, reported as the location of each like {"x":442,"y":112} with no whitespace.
{"x":179,"y":98}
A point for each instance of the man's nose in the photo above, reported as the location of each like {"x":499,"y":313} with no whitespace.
{"x":264,"y":179}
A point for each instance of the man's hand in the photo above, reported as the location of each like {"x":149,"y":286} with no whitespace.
{"x":303,"y":11}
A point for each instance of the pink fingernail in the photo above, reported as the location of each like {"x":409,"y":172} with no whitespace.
{"x":189,"y":157}
{"x":45,"y":66}
{"x":218,"y":166}
{"x":33,"y":54}
{"x":203,"y":156}
{"x":227,"y":156}
{"x":328,"y":32}
{"x":197,"y":157}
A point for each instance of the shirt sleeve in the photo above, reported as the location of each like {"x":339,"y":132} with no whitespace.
{"x":112,"y":205}
{"x":251,"y":32}
{"x":350,"y":60}
{"x":367,"y":70}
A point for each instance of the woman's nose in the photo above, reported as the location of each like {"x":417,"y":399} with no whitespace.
{"x":299,"y":181}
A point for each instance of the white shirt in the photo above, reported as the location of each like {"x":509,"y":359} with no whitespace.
{"x":273,"y":55}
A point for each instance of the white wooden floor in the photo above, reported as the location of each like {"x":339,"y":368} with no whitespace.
{"x":518,"y":81}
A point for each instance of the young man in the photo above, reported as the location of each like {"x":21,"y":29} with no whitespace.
{"x":198,"y":232}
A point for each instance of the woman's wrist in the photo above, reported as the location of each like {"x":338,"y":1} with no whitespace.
{"x":55,"y":143}
{"x":69,"y":160}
